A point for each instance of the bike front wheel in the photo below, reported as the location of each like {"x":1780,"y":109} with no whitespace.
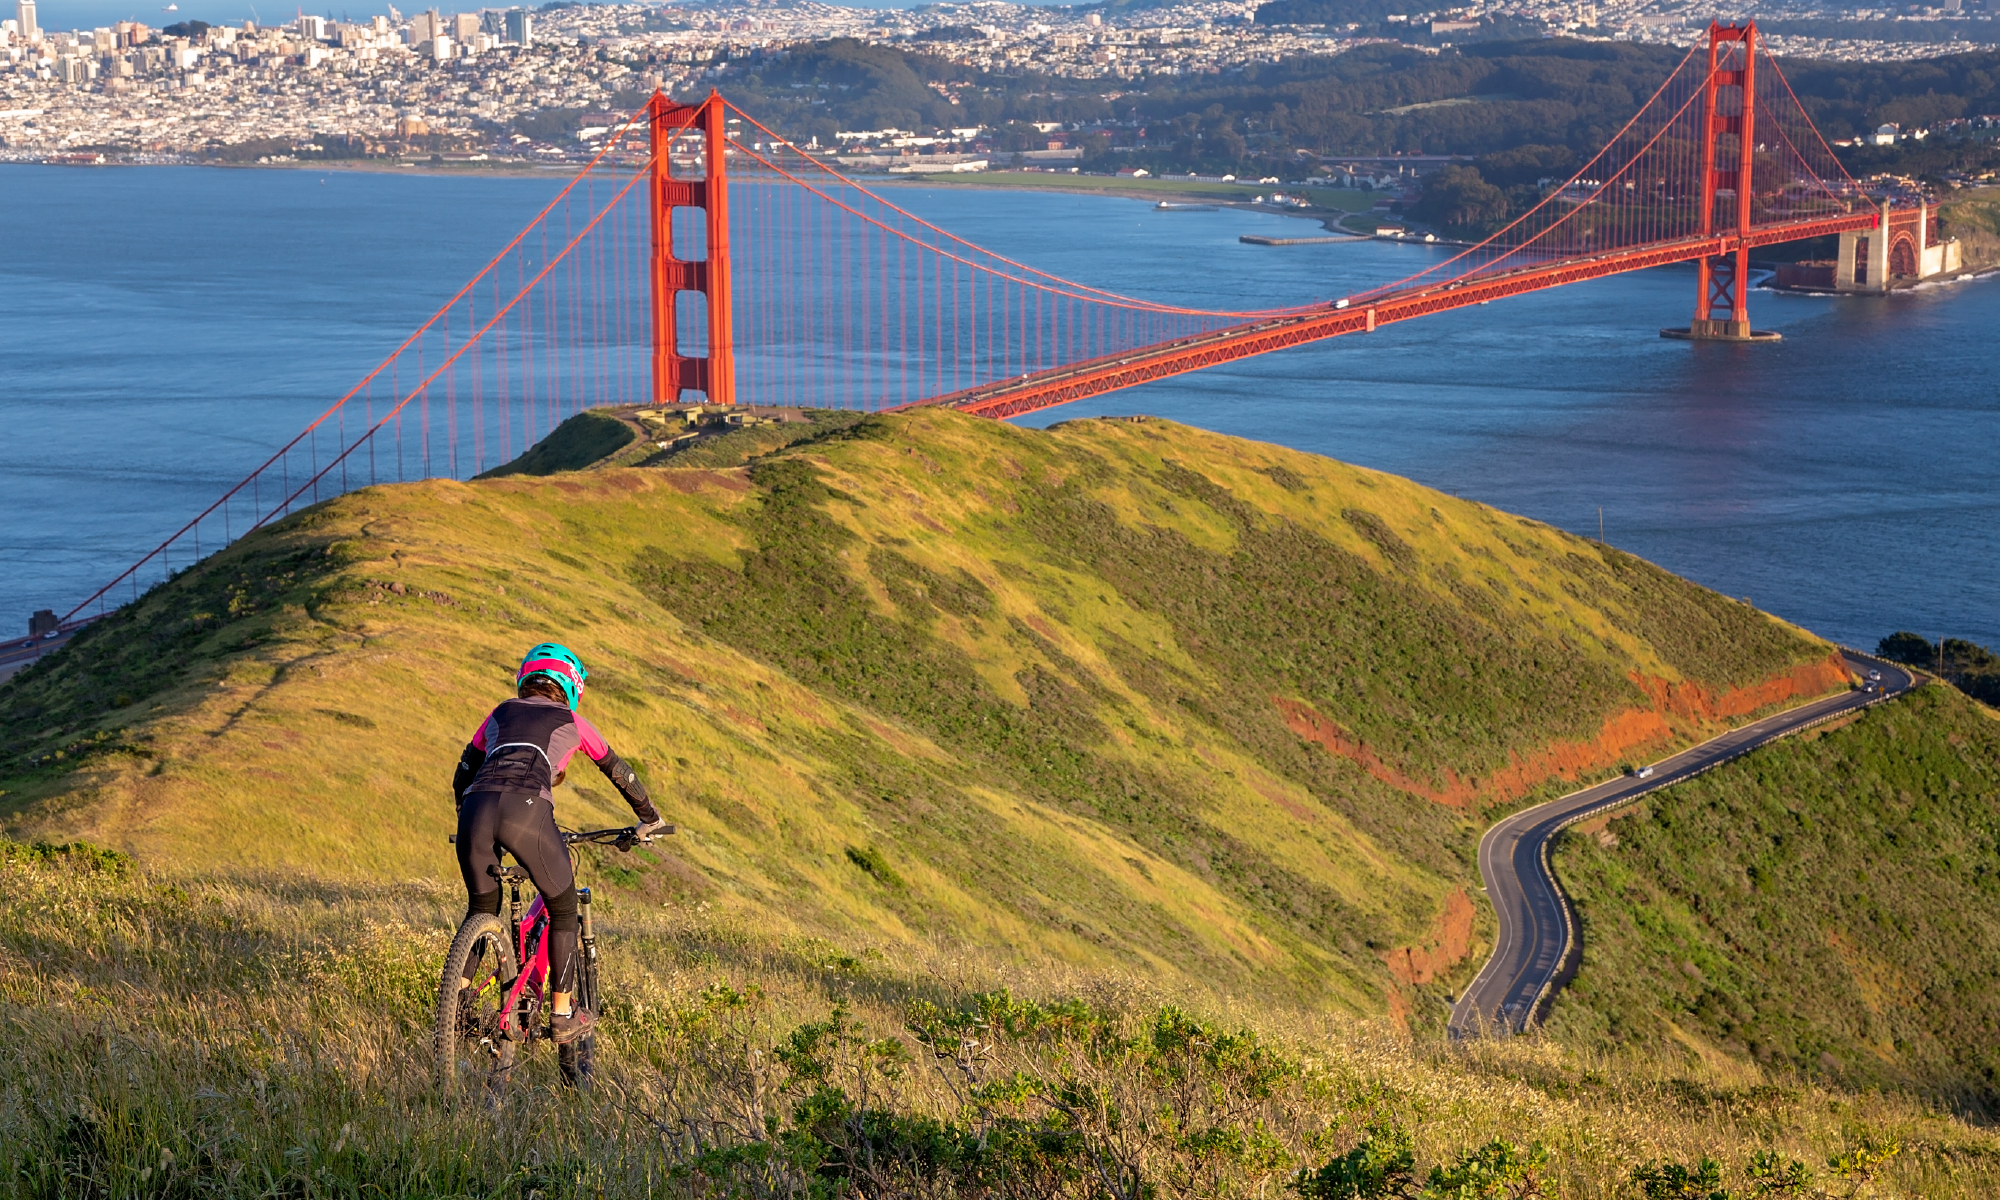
{"x":469,"y":1041}
{"x":578,"y":1059}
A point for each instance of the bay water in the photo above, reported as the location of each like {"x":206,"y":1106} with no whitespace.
{"x":162,"y":330}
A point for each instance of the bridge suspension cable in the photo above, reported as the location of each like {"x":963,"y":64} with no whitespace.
{"x":699,"y":254}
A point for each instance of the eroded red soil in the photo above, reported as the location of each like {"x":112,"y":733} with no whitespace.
{"x":1621,"y":733}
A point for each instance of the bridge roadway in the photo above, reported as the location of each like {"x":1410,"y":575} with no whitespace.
{"x":17,"y":654}
{"x":1539,"y":945}
{"x":1363,"y":314}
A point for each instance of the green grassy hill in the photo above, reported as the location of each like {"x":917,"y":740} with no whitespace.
{"x":578,"y":442}
{"x":177,"y":1035}
{"x":1828,"y":907}
{"x":1973,"y":217}
{"x":1028,"y":780}
{"x":1120,"y":694}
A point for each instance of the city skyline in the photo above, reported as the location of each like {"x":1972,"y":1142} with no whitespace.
{"x":434,"y":82}
{"x":88,"y":14}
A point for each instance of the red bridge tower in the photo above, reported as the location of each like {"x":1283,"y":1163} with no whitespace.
{"x":677,"y":131}
{"x":1728,"y":145}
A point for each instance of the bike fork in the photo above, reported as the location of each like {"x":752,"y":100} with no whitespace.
{"x":587,"y":947}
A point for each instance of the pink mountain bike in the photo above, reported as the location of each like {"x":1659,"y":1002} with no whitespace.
{"x":490,"y":998}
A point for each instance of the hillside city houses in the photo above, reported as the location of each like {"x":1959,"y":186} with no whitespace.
{"x":459,"y":81}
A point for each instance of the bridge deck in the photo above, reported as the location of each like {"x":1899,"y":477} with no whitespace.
{"x":1078,"y":381}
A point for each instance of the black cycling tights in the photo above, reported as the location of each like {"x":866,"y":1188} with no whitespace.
{"x":526,"y":827}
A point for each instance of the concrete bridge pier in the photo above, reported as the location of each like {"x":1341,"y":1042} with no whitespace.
{"x":1874,"y":275}
{"x":1722,"y":286}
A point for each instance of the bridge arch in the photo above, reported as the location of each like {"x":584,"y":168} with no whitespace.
{"x":1903,"y":254}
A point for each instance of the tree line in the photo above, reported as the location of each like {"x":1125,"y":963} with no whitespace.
{"x":1968,"y":666}
{"x":1378,"y":99}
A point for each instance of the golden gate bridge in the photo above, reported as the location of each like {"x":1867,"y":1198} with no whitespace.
{"x":733,"y":264}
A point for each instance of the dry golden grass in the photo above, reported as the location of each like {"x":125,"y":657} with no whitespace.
{"x":172,"y":1035}
{"x":297,"y":700}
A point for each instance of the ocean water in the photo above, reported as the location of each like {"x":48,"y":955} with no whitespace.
{"x":162,"y":330}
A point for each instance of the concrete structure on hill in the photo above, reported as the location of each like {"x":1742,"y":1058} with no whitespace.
{"x":1903,"y":250}
{"x":1905,"y":253}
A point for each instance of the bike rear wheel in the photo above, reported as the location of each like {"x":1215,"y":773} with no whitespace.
{"x":468,"y":1042}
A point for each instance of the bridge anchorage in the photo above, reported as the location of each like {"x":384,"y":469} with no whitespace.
{"x":702,"y":257}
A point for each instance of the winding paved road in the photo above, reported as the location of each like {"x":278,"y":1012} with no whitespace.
{"x":1537,"y":950}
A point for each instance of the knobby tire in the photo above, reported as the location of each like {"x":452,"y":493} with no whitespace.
{"x":466,"y":1045}
{"x":578,"y":1059}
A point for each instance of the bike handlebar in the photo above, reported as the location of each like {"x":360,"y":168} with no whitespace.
{"x":624,"y":838}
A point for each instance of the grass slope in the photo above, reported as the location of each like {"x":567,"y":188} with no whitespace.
{"x":1973,"y":217}
{"x":735,"y":447}
{"x":1829,"y":906}
{"x":1123,"y":695}
{"x":169,"y":1036}
{"x":578,"y":442}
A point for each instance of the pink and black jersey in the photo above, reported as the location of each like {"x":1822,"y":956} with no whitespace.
{"x":524,"y":746}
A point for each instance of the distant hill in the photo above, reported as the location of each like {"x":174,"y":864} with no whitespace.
{"x":1120,"y":693}
{"x":1513,"y":88}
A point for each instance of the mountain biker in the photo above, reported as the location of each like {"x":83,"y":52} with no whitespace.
{"x":503,"y":787}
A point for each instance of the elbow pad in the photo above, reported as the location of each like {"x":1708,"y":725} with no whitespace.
{"x":626,"y":780}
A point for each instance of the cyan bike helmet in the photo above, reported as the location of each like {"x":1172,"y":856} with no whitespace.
{"x":557,"y":664}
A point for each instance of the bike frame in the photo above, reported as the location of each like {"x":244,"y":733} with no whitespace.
{"x":531,"y":948}
{"x":534,"y":965}
{"x":530,"y":933}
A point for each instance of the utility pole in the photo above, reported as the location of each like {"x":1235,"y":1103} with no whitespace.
{"x":1600,"y":525}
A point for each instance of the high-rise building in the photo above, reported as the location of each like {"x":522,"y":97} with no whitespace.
{"x":312,"y":27}
{"x":424,"y":27}
{"x":24,"y":16}
{"x":521,"y":27}
{"x":465,"y":27}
